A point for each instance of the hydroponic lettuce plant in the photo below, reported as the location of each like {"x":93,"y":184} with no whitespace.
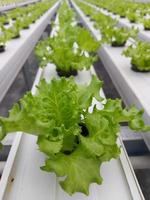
{"x":25,"y":22}
{"x":14,"y":14}
{"x":14,"y":31}
{"x":146,"y":23}
{"x":103,"y":21}
{"x":140,"y":56}
{"x":66,"y":15}
{"x":117,"y":36}
{"x":68,"y":50}
{"x":76,"y":142}
{"x":4,"y":20}
{"x":72,"y":49}
{"x":132,"y":16}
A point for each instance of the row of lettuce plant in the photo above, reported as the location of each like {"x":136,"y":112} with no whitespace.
{"x":19,"y":19}
{"x":75,"y":139}
{"x":117,"y":36}
{"x":110,"y":32}
{"x":135,"y":12}
{"x":72,"y":49}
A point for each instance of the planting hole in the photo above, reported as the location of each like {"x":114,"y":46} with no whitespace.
{"x":84,"y":130}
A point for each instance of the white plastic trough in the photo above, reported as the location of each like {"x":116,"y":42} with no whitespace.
{"x":18,"y":50}
{"x":16,"y":5}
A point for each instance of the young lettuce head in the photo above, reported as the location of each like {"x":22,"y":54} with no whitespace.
{"x":140,"y":56}
{"x":74,"y":140}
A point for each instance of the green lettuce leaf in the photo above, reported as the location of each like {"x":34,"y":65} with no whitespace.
{"x":76,"y":168}
{"x":86,"y":93}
